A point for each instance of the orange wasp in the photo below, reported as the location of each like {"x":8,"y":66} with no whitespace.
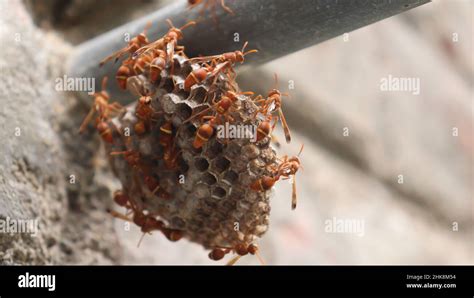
{"x":166,"y":134}
{"x":273,"y":102}
{"x":124,"y":72}
{"x":222,"y":106}
{"x":203,"y":135}
{"x":170,"y":157}
{"x":232,"y":57}
{"x":265,"y":128}
{"x":122,"y":199}
{"x":240,"y":249}
{"x":203,"y":73}
{"x":101,"y":106}
{"x":168,"y":42}
{"x":166,"y":139}
{"x":134,"y":44}
{"x":194,"y":77}
{"x":145,"y":60}
{"x":131,"y":156}
{"x":157,"y":65}
{"x":145,"y":114}
{"x":105,"y":131}
{"x":135,"y":161}
{"x":286,"y":169}
{"x":206,"y":130}
{"x":148,"y":224}
{"x":154,"y":60}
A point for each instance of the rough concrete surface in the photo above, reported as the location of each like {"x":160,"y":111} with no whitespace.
{"x":336,"y":86}
{"x":41,"y":149}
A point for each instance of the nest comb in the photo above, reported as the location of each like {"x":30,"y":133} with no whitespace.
{"x":205,"y":195}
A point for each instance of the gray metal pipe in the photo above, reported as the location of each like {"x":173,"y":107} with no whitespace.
{"x":274,"y":27}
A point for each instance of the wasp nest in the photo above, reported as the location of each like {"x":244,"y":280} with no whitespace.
{"x":190,"y":165}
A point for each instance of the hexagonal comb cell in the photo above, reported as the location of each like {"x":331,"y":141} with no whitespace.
{"x":218,"y":193}
{"x":186,"y":68}
{"x":198,"y":94}
{"x":176,"y":65}
{"x":197,"y":110}
{"x":201,"y":164}
{"x":183,"y":165}
{"x":256,"y":166}
{"x":180,"y":92}
{"x":168,"y":84}
{"x":169,"y":102}
{"x":250,"y":151}
{"x":214,"y":149}
{"x":233,"y":150}
{"x":183,"y":110}
{"x":221,"y":164}
{"x":230,"y":177}
{"x":209,"y":178}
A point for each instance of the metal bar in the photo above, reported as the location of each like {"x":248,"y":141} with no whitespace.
{"x":274,"y":27}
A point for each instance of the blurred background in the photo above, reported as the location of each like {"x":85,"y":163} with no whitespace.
{"x":387,"y":178}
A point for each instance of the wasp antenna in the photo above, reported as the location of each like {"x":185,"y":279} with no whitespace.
{"x":191,"y":23}
{"x":104,"y":82}
{"x":86,"y":120}
{"x":170,"y":23}
{"x":141,"y":239}
{"x":250,"y":51}
{"x":226,"y":8}
{"x":245,"y":45}
{"x":301,"y":150}
{"x":276,"y":80}
{"x":293,"y":194}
